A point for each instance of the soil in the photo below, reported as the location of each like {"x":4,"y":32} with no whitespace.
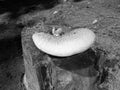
{"x":11,"y":64}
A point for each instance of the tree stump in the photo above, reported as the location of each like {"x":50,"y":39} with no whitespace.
{"x":45,"y":72}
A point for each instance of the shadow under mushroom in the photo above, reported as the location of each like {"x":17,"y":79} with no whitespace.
{"x":82,"y":64}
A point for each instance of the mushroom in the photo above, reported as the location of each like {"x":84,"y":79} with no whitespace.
{"x":73,"y":42}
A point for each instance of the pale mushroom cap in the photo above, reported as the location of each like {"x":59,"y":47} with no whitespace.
{"x":76,"y":41}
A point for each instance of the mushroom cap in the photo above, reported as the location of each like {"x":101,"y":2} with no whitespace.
{"x":76,"y":41}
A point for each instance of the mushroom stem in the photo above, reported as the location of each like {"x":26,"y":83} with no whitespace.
{"x":56,"y":32}
{"x":76,"y":41}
